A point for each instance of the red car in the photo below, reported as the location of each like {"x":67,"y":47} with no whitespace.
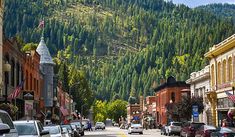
{"x":205,"y":131}
{"x":189,"y":128}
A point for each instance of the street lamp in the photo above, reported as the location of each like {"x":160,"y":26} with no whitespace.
{"x":70,"y":96}
{"x":6,"y":69}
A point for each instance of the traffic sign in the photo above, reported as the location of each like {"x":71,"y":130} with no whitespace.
{"x":195,"y":111}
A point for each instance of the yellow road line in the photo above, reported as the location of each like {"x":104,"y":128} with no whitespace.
{"x":122,"y":134}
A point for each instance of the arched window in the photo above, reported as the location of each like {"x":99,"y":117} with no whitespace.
{"x":212,"y":75}
{"x":230,"y":69}
{"x":224,"y":71}
{"x":219,"y":73}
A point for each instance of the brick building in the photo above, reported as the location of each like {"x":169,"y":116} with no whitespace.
{"x":133,"y":112}
{"x":169,"y":92}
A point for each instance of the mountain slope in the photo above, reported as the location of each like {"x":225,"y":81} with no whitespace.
{"x":122,"y":45}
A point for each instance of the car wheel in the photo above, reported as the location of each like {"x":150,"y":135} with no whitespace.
{"x":82,"y":134}
{"x":141,"y":133}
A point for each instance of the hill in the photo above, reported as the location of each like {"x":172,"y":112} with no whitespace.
{"x":122,"y":46}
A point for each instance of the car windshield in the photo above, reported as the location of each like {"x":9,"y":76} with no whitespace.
{"x":135,"y":125}
{"x":26,"y":128}
{"x":53,"y":129}
{"x":4,"y":118}
{"x":67,"y":126}
{"x":73,"y":126}
{"x":197,"y":125}
{"x":76,"y":123}
{"x":99,"y":123}
{"x":176,"y":124}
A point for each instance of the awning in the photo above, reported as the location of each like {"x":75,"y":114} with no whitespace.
{"x":64,"y":111}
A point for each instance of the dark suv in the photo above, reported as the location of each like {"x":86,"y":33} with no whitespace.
{"x":189,"y":128}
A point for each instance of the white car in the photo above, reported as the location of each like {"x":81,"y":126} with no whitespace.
{"x":99,"y":125}
{"x":54,"y":130}
{"x":173,"y":128}
{"x":7,"y":128}
{"x":65,"y":132}
{"x":135,"y":128}
{"x":30,"y":128}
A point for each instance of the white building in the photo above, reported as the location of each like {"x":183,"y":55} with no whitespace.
{"x":199,"y":86}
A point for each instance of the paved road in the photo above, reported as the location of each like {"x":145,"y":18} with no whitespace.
{"x":116,"y":132}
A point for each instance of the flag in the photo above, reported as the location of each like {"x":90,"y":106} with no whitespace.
{"x":16,"y":91}
{"x":41,"y":24}
{"x":230,"y":96}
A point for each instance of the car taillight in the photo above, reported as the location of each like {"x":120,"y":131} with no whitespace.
{"x":191,"y":128}
{"x":207,"y":133}
{"x":225,"y":135}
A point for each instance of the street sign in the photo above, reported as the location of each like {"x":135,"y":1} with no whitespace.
{"x":195,"y":111}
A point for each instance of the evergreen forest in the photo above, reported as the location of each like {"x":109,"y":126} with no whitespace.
{"x":123,"y":47}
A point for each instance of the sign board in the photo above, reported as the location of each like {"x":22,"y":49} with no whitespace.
{"x":195,"y":111}
{"x":28,"y":95}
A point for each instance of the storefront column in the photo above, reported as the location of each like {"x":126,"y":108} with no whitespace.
{"x":212,"y":97}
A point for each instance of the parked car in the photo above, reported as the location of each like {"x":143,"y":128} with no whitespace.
{"x":173,"y":128}
{"x":135,"y":128}
{"x":99,"y":125}
{"x":224,"y":132}
{"x":79,"y":126}
{"x":163,"y":130}
{"x":7,"y":127}
{"x":205,"y":131}
{"x":54,"y":130}
{"x":189,"y":128}
{"x":69,"y":128}
{"x":75,"y":130}
{"x":65,"y":132}
{"x":85,"y":123}
{"x":32,"y":128}
{"x":116,"y":125}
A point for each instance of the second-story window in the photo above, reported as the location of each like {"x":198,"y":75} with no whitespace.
{"x":224,"y":72}
{"x":13,"y":73}
{"x":230,"y":71}
{"x":173,"y":97}
{"x":212,"y":75}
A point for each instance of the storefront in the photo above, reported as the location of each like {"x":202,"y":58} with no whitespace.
{"x":223,"y":107}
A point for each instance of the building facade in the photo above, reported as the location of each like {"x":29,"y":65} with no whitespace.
{"x":1,"y":46}
{"x":199,"y":86}
{"x":12,"y":78}
{"x":133,"y":113}
{"x":169,"y":92}
{"x":222,"y":72}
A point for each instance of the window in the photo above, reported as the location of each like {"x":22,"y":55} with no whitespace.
{"x":13,"y":73}
{"x":230,"y":72}
{"x":212,"y":75}
{"x":219,"y":73}
{"x":224,"y":71}
{"x":173,"y":97}
{"x":27,"y":80}
{"x":31,"y":82}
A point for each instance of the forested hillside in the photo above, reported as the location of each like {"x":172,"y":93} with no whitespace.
{"x":123,"y":46}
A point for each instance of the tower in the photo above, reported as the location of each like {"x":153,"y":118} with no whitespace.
{"x":47,"y":70}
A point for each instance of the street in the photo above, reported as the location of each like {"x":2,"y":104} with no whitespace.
{"x":117,"y":132}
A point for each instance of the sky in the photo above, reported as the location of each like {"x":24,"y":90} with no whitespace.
{"x":195,"y":3}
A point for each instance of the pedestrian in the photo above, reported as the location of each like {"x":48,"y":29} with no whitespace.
{"x":89,"y":126}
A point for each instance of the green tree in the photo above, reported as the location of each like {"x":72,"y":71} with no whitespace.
{"x":117,"y":109}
